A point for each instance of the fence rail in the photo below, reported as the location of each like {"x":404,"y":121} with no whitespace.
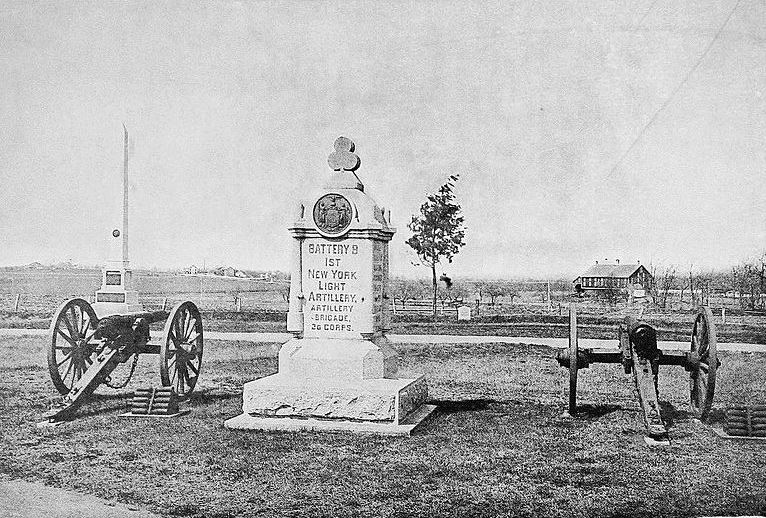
{"x":259,"y":301}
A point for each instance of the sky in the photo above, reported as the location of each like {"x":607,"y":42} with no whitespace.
{"x":581,"y":130}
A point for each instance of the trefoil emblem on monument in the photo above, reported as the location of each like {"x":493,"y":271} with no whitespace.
{"x":333,"y":212}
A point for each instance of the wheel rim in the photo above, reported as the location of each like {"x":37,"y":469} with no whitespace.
{"x":72,"y":349}
{"x":704,"y":350}
{"x":181,"y":352}
{"x":573,"y":353}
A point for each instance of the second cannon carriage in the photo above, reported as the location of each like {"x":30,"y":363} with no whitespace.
{"x":639,"y":355}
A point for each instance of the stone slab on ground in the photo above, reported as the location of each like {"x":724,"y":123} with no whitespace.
{"x":286,"y":424}
{"x":378,"y":399}
{"x":719,"y":431}
{"x":21,"y":499}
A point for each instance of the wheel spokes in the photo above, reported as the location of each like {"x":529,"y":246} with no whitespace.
{"x":72,"y":323}
{"x":187,"y":328}
{"x":65,"y":358}
{"x":177,"y":327}
{"x":65,"y":337}
{"x":68,"y":370}
{"x":182,"y":352}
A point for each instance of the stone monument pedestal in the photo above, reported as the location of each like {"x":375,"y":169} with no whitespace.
{"x":339,"y":371}
{"x":335,"y":384}
{"x":116,"y":296}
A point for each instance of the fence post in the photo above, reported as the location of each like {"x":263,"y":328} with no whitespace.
{"x":723,"y":315}
{"x":164,"y":303}
{"x":239,"y":304}
{"x":478,"y":301}
{"x":550,"y":308}
{"x":16,"y":303}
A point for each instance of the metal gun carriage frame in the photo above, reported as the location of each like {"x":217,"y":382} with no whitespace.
{"x":84,"y":350}
{"x":639,"y":354}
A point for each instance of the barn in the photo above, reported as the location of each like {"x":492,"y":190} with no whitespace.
{"x":610,"y":276}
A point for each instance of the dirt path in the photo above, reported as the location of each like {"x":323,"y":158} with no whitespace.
{"x":558,"y":343}
{"x":19,"y":499}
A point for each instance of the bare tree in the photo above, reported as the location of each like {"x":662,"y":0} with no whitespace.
{"x":495,"y":289}
{"x":612,"y":291}
{"x":406,"y":289}
{"x":751,"y":282}
{"x":284,"y":291}
{"x":664,"y":282}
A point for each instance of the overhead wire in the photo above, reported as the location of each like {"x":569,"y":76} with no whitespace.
{"x":675,"y":91}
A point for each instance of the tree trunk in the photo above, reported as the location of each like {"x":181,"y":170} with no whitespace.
{"x":433,"y":277}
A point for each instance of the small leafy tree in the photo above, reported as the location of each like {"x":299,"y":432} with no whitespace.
{"x":438,"y":232}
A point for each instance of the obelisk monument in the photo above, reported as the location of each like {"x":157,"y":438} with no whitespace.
{"x":116,"y":295}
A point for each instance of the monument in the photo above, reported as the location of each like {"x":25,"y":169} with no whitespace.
{"x":338,"y":372}
{"x":116,"y":295}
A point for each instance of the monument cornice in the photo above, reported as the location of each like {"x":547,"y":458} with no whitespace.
{"x":377,"y":234}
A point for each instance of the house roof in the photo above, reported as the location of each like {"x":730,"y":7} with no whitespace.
{"x":619,"y":271}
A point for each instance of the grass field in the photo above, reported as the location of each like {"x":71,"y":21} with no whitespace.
{"x":498,"y":446}
{"x":43,"y":290}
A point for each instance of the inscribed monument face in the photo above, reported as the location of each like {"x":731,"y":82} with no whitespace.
{"x":339,"y":371}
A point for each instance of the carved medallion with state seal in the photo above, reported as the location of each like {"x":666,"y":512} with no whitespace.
{"x":332,"y":214}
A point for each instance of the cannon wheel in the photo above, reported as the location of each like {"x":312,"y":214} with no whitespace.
{"x":702,"y":377}
{"x":72,"y":348}
{"x":181,"y":351}
{"x":573,"y":354}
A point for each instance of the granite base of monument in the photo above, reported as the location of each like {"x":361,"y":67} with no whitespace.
{"x":290,"y":424}
{"x":293,"y":399}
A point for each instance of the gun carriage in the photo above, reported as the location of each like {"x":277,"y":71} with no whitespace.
{"x":639,"y":354}
{"x":84,"y":350}
{"x":89,"y":342}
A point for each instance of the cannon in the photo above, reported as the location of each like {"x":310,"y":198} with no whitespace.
{"x":638,"y":354}
{"x":84,"y":350}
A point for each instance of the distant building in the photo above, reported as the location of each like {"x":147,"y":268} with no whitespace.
{"x":192,"y":270}
{"x":600,"y":277}
{"x":229,"y":271}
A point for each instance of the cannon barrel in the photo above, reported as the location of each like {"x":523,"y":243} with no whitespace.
{"x":128,"y":320}
{"x":643,"y":337}
{"x":114,"y":326}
